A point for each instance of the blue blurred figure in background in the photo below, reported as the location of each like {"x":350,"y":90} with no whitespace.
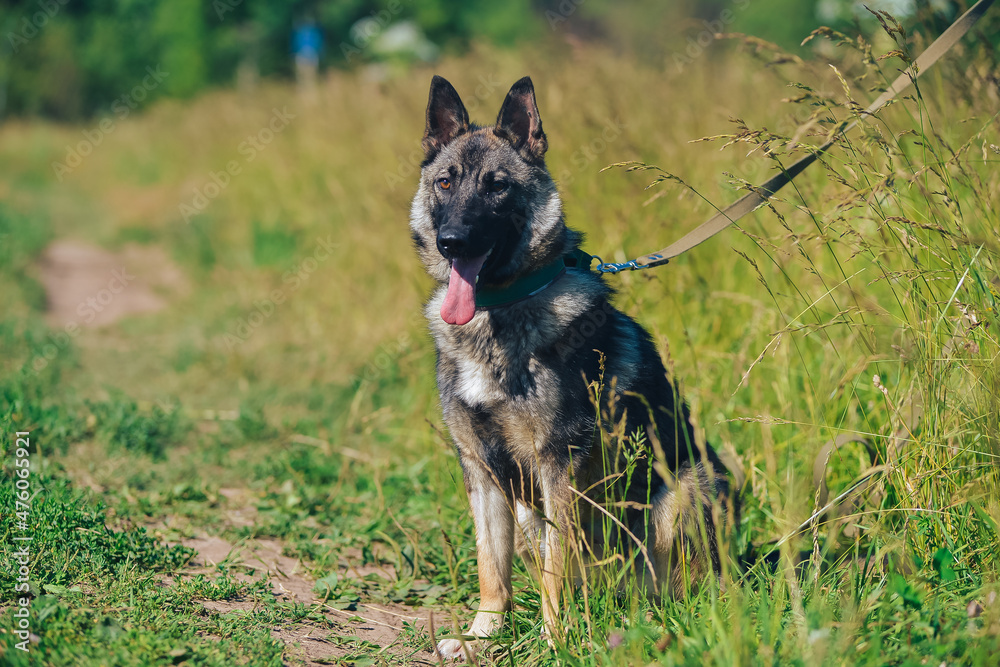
{"x":307,"y":43}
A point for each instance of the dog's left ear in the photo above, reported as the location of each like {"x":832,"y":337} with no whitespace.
{"x":519,"y":122}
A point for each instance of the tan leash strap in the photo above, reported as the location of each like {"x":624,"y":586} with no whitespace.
{"x":759,"y":195}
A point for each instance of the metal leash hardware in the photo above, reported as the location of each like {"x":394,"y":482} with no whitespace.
{"x":613,"y":267}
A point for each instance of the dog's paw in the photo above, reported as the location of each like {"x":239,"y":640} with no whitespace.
{"x":451,"y":649}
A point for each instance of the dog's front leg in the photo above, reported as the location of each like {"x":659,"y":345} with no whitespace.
{"x":558,"y":540}
{"x":494,"y":523}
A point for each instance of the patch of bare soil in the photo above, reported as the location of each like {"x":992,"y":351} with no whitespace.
{"x":92,"y":287}
{"x":370,"y":629}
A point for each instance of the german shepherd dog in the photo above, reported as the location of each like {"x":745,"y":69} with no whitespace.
{"x":535,"y":368}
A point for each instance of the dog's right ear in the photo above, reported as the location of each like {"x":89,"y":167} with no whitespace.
{"x":446,"y":116}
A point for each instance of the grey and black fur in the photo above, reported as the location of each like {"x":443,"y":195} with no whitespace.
{"x":522,"y":384}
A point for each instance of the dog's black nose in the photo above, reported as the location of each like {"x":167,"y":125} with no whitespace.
{"x":451,"y":243}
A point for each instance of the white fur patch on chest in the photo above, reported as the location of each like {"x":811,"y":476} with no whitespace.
{"x":477,"y":384}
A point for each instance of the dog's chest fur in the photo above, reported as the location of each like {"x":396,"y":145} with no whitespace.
{"x":503,"y":376}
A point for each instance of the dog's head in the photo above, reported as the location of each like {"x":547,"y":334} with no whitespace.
{"x":486,"y":209}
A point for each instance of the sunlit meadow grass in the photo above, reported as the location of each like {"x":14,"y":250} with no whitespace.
{"x":881,"y":262}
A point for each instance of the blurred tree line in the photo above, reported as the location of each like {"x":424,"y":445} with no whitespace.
{"x":72,"y":58}
{"x":69,"y":59}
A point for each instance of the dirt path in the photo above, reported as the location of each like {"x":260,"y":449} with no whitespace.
{"x":352,"y":633}
{"x":92,"y":287}
{"x":87,"y":286}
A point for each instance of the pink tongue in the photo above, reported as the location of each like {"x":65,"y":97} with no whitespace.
{"x":460,"y":302}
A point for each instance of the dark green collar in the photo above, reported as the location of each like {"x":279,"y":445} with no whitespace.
{"x":532,"y":283}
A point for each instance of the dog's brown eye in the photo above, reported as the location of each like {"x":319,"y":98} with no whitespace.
{"x":497,"y":186}
{"x":444,"y":183}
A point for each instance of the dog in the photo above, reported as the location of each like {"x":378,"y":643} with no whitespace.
{"x":558,"y":403}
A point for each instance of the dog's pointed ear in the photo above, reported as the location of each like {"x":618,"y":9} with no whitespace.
{"x":519,"y":122}
{"x":446,"y":116}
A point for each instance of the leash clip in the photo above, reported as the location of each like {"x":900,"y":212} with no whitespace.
{"x":612,"y":267}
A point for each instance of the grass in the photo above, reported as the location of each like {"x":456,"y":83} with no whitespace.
{"x":321,"y":410}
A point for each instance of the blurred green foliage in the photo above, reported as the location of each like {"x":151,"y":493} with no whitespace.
{"x":71,"y":59}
